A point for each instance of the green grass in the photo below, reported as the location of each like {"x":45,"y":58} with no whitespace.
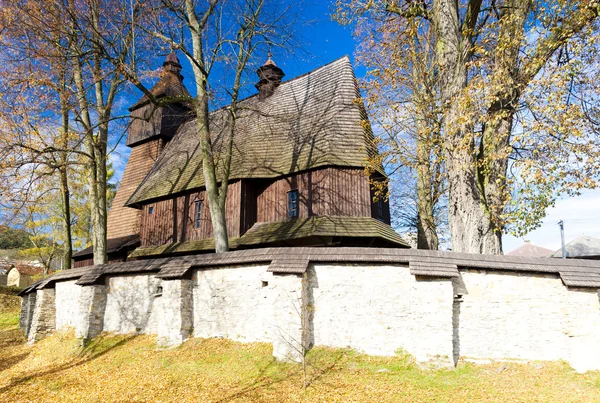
{"x":9,"y":320}
{"x":128,"y":368}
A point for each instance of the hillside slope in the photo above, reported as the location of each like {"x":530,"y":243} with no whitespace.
{"x":131,"y":369}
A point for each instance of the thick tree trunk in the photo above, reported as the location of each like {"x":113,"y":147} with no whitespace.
{"x":427,"y":237}
{"x":209,"y":168}
{"x":470,"y":225}
{"x":100,"y":220}
{"x":471,"y":228}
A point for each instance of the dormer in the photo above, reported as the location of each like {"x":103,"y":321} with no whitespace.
{"x":150,"y":121}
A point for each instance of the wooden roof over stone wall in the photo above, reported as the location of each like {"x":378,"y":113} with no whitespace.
{"x":310,"y":121}
{"x":578,"y":273}
{"x":285,"y":233}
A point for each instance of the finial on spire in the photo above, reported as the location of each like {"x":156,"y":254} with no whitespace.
{"x":270,"y":61}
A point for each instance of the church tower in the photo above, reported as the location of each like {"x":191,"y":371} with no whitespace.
{"x":151,"y":127}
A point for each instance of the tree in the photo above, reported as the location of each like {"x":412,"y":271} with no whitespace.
{"x":490,"y":57}
{"x":36,"y":135}
{"x":56,"y":47}
{"x":14,"y":238}
{"x":100,"y":36}
{"x":401,"y":89}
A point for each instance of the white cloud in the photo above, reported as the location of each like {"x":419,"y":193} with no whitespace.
{"x":581,"y":215}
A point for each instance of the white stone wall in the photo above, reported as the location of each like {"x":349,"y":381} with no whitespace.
{"x":67,"y":304}
{"x":244,"y":303}
{"x":527,"y":316}
{"x":176,"y":322}
{"x":381,"y":309}
{"x":132,"y":305}
{"x":43,"y":320}
{"x":376,"y":309}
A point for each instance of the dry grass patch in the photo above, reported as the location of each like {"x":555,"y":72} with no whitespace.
{"x":9,"y":302}
{"x":131,"y":369}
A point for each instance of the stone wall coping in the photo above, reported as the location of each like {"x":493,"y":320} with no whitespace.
{"x":579,"y":273}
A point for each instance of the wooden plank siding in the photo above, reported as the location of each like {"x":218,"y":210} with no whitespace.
{"x":90,"y":261}
{"x":329,"y":191}
{"x":158,"y":229}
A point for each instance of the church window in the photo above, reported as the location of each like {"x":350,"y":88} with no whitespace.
{"x":197,"y":213}
{"x":380,"y":210}
{"x":292,"y":205}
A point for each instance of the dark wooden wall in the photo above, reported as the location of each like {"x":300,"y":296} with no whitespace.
{"x":158,"y":229}
{"x":90,"y":261}
{"x":329,"y":191}
{"x":150,"y":121}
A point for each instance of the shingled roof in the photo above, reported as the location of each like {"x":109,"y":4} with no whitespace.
{"x":424,"y":263}
{"x":327,"y":226}
{"x":310,"y":121}
{"x":170,"y":84}
{"x":582,"y":247}
{"x":287,"y":233}
{"x":113,"y":245}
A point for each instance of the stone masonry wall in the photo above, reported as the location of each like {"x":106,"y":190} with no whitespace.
{"x":379,"y":310}
{"x":27,"y":311}
{"x":92,"y":307}
{"x":526,"y":316}
{"x":67,"y":304}
{"x":132,"y":304}
{"x":376,"y":309}
{"x":43,"y":320}
{"x":249,"y":304}
{"x":176,"y":320}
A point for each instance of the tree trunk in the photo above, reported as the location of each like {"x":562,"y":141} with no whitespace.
{"x":68,"y":243}
{"x":471,"y":228}
{"x":63,"y":173}
{"x":427,"y":237}
{"x":100,"y":219}
{"x":209,"y":168}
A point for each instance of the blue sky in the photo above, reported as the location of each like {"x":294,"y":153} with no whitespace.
{"x":325,"y":40}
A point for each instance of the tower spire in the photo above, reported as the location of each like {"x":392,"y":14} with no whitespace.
{"x":171,"y":64}
{"x":270,"y":77}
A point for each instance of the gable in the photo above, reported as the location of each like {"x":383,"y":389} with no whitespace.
{"x":309,"y":122}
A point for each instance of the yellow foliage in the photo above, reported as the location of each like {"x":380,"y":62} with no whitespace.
{"x":129,"y":368}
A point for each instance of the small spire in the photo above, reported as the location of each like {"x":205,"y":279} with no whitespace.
{"x":270,"y":61}
{"x":270,"y":77}
{"x":172,"y":64}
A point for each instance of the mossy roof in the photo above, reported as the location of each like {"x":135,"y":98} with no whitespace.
{"x":309,"y":122}
{"x":327,"y":226}
{"x":285,"y":232}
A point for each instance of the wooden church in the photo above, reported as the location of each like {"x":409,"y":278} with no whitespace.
{"x":297,"y":175}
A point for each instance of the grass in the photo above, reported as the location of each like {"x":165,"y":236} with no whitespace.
{"x":9,"y":320}
{"x":127,"y":368}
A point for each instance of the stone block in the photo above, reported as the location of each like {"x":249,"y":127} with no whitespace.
{"x":43,"y":320}
{"x":92,"y":305}
{"x":176,"y":319}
